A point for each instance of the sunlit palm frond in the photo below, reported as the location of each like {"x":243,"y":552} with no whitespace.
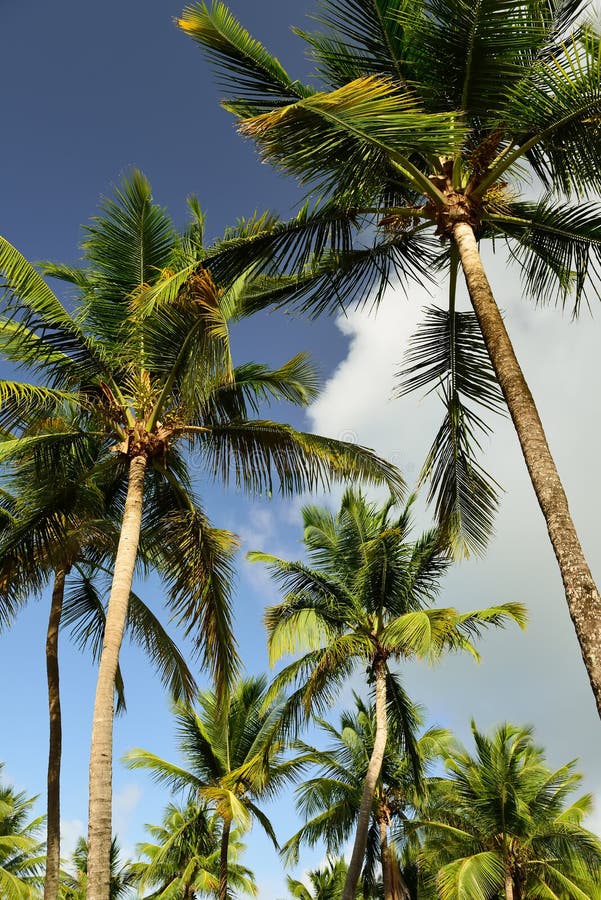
{"x":245,"y":67}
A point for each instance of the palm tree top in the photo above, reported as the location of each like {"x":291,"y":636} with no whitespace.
{"x":424,"y":115}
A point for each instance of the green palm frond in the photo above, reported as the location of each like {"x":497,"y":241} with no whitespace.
{"x":260,"y":452}
{"x":465,"y":496}
{"x":448,"y":349}
{"x":258,"y":79}
{"x":362,"y":37}
{"x":558,"y":247}
{"x":195,"y":560}
{"x":36,"y":306}
{"x":365,"y":123}
{"x":478,"y":877}
{"x":252,"y":384}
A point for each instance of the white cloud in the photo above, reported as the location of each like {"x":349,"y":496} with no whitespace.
{"x":71,"y":831}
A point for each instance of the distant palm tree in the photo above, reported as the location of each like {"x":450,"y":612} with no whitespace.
{"x":331,"y":798}
{"x":499,"y":824}
{"x":234,"y":756}
{"x":146,"y":357}
{"x":425,"y":121}
{"x":183,"y":858}
{"x":326,"y":883}
{"x":21,"y":851}
{"x":74,"y":886}
{"x":365,"y":599}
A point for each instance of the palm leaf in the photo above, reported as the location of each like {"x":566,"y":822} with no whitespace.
{"x":258,"y":451}
{"x":244,"y":66}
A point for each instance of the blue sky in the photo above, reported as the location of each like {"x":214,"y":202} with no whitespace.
{"x":93,"y":90}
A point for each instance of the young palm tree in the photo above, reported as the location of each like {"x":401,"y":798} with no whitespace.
{"x":326,"y":882}
{"x":57,"y":529}
{"x":146,"y":356}
{"x":431,"y":116}
{"x":183,"y":861}
{"x":235,"y":756}
{"x":499,"y":824}
{"x":73,"y":886}
{"x":330,"y":800}
{"x":21,"y":851}
{"x":365,"y":600}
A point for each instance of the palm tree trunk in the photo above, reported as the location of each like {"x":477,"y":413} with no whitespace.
{"x":508,"y":887}
{"x":101,"y":751}
{"x":395,"y":886}
{"x":371,"y":779}
{"x":53,"y":839}
{"x":582,"y":595}
{"x":385,"y":861}
{"x":223,"y":859}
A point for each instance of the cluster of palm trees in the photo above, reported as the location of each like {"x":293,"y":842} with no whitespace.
{"x":428,"y":117}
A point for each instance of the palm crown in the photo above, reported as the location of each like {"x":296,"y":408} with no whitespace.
{"x":502,"y":820}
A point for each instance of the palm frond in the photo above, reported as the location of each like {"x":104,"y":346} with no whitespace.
{"x":557,"y":246}
{"x":256,"y":453}
{"x":352,"y":134}
{"x":256,"y":79}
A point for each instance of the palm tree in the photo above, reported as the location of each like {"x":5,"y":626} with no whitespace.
{"x":366,"y":600}
{"x":431,"y":117}
{"x":146,"y":357}
{"x":21,"y":851}
{"x":326,"y":882}
{"x":498,"y":825}
{"x":73,"y":886}
{"x":330,"y":800}
{"x":57,"y":529}
{"x":235,"y":756}
{"x":183,"y":859}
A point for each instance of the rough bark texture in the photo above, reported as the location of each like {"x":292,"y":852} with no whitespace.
{"x":225,"y":843}
{"x":581,"y":592}
{"x":53,"y":838}
{"x":101,"y":751}
{"x":371,"y":779}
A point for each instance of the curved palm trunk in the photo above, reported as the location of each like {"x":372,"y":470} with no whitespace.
{"x":371,"y":779}
{"x":581,"y":592}
{"x":225,"y":843}
{"x":53,"y":838}
{"x":101,"y":751}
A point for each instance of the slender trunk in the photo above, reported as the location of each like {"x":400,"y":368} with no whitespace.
{"x":53,"y":839}
{"x":101,"y":751}
{"x":371,"y":779}
{"x":509,"y":887}
{"x":395,"y":886}
{"x":386,"y":861}
{"x":223,"y":859}
{"x":582,"y":595}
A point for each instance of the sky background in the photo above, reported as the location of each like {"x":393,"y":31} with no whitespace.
{"x":91,"y":90}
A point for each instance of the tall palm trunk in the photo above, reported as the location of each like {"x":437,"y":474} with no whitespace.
{"x":509,"y":887}
{"x":581,"y":592}
{"x":223,"y":859}
{"x":101,"y":751}
{"x":53,"y":795}
{"x":371,"y":779}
